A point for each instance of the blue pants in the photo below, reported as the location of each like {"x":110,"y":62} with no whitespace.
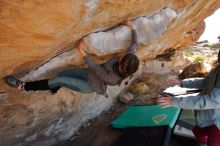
{"x":75,"y":79}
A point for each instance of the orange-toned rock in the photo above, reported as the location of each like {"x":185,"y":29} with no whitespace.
{"x":34,"y":31}
{"x":34,"y":34}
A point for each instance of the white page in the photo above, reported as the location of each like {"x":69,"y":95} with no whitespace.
{"x":176,"y":90}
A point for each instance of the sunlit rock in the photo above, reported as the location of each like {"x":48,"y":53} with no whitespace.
{"x":37,"y":41}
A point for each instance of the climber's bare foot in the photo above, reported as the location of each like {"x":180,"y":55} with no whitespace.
{"x":20,"y":87}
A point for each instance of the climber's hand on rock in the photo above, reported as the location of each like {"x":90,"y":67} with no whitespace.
{"x":82,"y":52}
{"x":80,"y":47}
{"x":129,"y":24}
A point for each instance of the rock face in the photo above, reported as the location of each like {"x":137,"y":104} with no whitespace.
{"x":28,"y":38}
{"x":148,"y":29}
{"x":193,"y":70}
{"x":35,"y":37}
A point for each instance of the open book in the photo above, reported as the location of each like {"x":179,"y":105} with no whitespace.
{"x":176,"y":90}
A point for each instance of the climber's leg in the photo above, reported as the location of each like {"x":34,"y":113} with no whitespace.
{"x":55,"y":84}
{"x":29,"y":86}
{"x":75,"y":79}
{"x":38,"y":85}
{"x":76,"y":84}
{"x":75,"y":73}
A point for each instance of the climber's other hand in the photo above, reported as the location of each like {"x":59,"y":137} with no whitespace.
{"x":80,"y":46}
{"x":129,"y":24}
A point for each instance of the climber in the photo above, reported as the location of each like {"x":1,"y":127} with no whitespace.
{"x":94,"y":78}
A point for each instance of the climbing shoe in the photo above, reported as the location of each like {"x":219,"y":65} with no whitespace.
{"x":13,"y":82}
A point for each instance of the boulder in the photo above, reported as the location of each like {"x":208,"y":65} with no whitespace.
{"x":196,"y":69}
{"x":37,"y":41}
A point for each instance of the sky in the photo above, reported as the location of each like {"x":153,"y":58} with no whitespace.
{"x":212,"y":30}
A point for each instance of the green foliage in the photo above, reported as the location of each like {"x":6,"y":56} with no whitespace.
{"x":199,"y":58}
{"x":188,"y":53}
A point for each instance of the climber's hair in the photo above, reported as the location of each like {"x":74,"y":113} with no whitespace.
{"x":128,"y":64}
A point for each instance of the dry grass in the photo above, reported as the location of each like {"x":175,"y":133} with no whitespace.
{"x":147,"y":83}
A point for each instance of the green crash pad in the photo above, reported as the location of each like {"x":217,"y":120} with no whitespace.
{"x":142,"y":116}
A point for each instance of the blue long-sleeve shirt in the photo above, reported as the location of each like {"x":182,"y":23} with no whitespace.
{"x":206,"y":107}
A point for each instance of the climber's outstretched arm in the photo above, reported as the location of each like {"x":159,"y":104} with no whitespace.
{"x":103,"y":74}
{"x":132,"y":48}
